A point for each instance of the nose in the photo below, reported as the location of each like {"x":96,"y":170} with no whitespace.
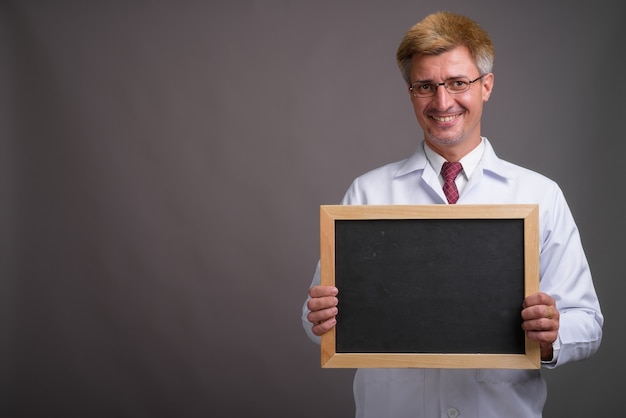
{"x":441,"y":99}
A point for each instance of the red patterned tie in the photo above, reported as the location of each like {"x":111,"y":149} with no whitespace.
{"x":449,"y":171}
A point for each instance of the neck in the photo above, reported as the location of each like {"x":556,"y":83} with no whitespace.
{"x":453,"y":152}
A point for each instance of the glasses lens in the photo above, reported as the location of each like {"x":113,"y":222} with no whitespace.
{"x":457,"y":85}
{"x":453,"y":85}
{"x":424,"y":89}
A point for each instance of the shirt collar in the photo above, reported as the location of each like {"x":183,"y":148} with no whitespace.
{"x":483,"y":155}
{"x":469,"y":161}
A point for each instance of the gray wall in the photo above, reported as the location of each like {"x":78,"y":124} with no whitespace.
{"x":162,"y":164}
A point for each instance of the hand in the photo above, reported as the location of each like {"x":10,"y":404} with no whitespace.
{"x":323,"y":307}
{"x":541,"y":322}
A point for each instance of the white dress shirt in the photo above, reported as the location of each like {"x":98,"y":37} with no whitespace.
{"x":469,"y":163}
{"x":564,"y":274}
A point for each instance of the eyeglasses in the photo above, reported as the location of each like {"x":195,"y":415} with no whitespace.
{"x":453,"y":85}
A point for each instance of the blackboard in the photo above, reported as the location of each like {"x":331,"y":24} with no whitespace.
{"x":430,"y":286}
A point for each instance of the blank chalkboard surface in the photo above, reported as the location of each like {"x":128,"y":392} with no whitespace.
{"x":431,"y":284}
{"x":449,"y":285}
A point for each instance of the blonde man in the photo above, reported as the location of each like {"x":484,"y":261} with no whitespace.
{"x":447,"y":62}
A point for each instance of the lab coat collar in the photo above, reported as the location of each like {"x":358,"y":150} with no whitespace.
{"x":489,"y":163}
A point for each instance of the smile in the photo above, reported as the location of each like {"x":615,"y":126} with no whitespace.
{"x":445,"y":118}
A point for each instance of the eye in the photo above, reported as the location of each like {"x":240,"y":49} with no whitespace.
{"x":425,"y":87}
{"x":458,"y":84}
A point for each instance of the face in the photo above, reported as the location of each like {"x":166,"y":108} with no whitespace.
{"x":451,"y":122}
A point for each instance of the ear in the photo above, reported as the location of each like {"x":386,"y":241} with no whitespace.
{"x":487,"y":86}
{"x":408,"y":90}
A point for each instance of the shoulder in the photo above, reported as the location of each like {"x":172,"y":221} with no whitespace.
{"x":387,"y":171}
{"x":376,"y":185}
{"x":493,"y":164}
{"x":414,"y":163}
{"x":527,"y":173}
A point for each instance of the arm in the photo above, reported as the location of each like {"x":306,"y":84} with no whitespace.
{"x":566,"y":278}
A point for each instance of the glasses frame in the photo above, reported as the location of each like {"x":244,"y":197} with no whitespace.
{"x":445,"y":85}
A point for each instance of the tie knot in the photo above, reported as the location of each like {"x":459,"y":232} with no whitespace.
{"x":449,"y":170}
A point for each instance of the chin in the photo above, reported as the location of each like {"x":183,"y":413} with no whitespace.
{"x":445,"y":140}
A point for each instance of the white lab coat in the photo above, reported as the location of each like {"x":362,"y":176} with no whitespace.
{"x":564,"y":274}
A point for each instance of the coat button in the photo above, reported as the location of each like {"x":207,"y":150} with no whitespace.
{"x":453,"y":412}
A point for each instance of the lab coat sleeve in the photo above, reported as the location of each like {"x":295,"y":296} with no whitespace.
{"x":565,"y":275}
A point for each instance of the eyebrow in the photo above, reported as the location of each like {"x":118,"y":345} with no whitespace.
{"x":431,"y":81}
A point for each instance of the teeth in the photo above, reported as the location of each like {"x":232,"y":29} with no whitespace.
{"x":444,"y":119}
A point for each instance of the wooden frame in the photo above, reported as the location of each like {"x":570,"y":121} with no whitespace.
{"x":332,"y":215}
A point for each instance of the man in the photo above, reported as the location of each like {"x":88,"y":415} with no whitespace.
{"x":446,"y":61}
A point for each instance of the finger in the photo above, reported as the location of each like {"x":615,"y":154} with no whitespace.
{"x":538,"y":298}
{"x":322,"y":291}
{"x":535,"y":320}
{"x":539,"y":312}
{"x":543,"y":337}
{"x":318,"y":304}
{"x":324,"y":327}
{"x":541,"y":324}
{"x":318,"y":317}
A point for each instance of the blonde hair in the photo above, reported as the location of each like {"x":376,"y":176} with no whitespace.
{"x":441,"y":32}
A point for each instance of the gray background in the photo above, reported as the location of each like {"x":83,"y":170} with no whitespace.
{"x":162,"y":164}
